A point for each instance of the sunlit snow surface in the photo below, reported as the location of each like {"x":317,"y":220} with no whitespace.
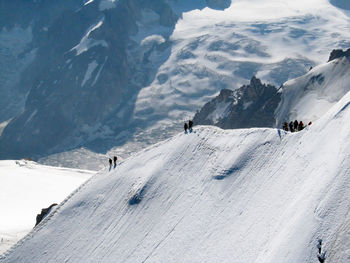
{"x":26,"y":188}
{"x":245,"y":195}
{"x":310,"y":96}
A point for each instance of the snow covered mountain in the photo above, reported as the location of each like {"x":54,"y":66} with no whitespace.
{"x":245,"y":195}
{"x":305,"y":98}
{"x":25,"y":188}
{"x":124,"y":73}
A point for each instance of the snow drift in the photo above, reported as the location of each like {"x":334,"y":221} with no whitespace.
{"x":252,"y":195}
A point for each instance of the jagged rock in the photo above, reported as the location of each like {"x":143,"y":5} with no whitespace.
{"x":338,"y":53}
{"x":251,"y":105}
{"x":44,"y":212}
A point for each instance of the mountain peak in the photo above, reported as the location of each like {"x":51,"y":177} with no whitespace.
{"x":255,"y":82}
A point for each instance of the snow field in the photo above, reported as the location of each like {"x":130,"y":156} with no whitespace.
{"x":25,"y":189}
{"x":252,"y":195}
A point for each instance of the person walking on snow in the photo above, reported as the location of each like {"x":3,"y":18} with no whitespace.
{"x":190,"y":125}
{"x":185,"y":127}
{"x":295,"y":125}
{"x":301,"y":126}
{"x":115,"y":161}
{"x":110,"y":163}
{"x":291,"y":128}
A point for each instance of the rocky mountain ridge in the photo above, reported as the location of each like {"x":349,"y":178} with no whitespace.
{"x":252,"y":105}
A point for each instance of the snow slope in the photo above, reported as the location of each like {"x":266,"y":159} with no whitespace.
{"x":310,"y":96}
{"x":250,"y":195}
{"x":26,"y":188}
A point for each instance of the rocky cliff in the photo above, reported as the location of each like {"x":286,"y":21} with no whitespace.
{"x":252,"y":105}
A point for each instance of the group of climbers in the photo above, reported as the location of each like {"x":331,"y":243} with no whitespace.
{"x":294,"y":126}
{"x":188,"y":126}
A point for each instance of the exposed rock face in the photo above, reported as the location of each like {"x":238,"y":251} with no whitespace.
{"x":338,"y":53}
{"x":251,"y":105}
{"x":43,"y":214}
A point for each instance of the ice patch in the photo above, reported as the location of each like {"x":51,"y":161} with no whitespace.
{"x":107,"y":4}
{"x":91,"y":68}
{"x":99,"y":71}
{"x":220,"y":112}
{"x":86,"y":43}
{"x":247,"y":104}
{"x":153,"y":39}
{"x":30,"y":117}
{"x":88,"y":2}
{"x":3,"y":126}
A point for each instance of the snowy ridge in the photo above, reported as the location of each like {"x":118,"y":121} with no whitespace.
{"x":259,"y":195}
{"x":310,"y":96}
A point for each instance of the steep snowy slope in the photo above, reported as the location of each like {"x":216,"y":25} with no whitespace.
{"x":26,"y":188}
{"x":308,"y":97}
{"x":254,"y":195}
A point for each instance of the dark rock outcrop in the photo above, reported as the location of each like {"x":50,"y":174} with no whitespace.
{"x":43,"y":214}
{"x":251,"y":105}
{"x":338,"y":53}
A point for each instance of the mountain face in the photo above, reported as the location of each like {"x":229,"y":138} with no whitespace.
{"x":213,"y":195}
{"x":101,"y":74}
{"x":251,"y":105}
{"x":84,"y":56}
